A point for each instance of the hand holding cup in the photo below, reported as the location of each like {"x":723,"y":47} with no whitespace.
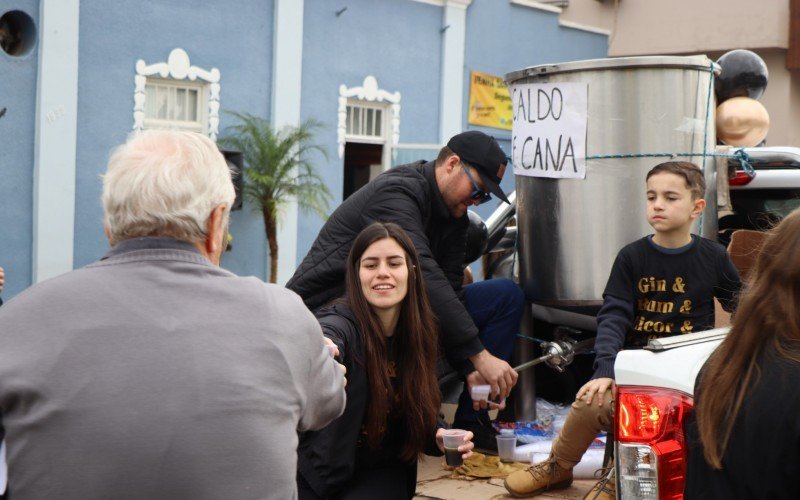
{"x":481,"y":393}
{"x":456,"y":444}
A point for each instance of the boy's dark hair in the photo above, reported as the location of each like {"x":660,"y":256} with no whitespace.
{"x":691,"y":173}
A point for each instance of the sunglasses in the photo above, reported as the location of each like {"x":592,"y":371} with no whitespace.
{"x":478,"y":194}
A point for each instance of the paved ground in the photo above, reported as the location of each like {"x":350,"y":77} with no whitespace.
{"x":436,"y":483}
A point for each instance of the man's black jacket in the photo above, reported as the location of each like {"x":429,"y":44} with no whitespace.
{"x":409,"y":196}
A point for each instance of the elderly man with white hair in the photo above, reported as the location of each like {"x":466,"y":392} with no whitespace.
{"x":153,"y":373}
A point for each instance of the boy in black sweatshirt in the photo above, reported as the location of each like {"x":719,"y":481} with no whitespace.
{"x":661,"y":285}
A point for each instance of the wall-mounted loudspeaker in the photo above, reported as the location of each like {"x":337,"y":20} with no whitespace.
{"x":235,"y":161}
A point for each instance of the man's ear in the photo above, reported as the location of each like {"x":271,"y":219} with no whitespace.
{"x":215,"y":233}
{"x":699,"y":206}
{"x":452,"y":162}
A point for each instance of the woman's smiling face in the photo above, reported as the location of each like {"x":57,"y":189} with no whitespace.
{"x":383,"y":272}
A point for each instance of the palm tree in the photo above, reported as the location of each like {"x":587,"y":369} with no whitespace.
{"x":277,"y":169}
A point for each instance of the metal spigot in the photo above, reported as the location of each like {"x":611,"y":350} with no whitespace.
{"x":559,"y":353}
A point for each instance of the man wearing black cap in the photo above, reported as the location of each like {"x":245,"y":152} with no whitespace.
{"x":429,"y":200}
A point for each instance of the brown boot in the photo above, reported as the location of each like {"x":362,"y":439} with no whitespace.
{"x":544,"y":476}
{"x":606,"y":487}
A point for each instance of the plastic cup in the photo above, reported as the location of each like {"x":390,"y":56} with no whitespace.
{"x":506,"y":445}
{"x":453,"y":438}
{"x":480,"y":392}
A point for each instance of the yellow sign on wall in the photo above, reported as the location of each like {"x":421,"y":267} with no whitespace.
{"x":489,"y":102}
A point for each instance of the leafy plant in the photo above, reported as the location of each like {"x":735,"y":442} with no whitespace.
{"x":278,"y":168}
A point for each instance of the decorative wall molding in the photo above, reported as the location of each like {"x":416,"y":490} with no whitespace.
{"x":458,"y":3}
{"x":451,"y":84}
{"x":438,"y":3}
{"x":55,"y":148}
{"x":177,"y":67}
{"x":285,"y":106}
{"x":442,"y":3}
{"x":584,"y":27}
{"x":535,"y":4}
{"x":368,"y":91}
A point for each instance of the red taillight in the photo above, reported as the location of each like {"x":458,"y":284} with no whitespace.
{"x":651,"y":446}
{"x":741,"y":178}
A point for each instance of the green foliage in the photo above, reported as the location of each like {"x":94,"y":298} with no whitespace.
{"x":278,"y":164}
{"x":277,"y":169}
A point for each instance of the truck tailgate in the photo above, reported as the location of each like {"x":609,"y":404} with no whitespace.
{"x":672,"y":368}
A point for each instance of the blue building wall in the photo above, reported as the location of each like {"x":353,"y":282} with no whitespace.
{"x":400,"y":43}
{"x":397,"y":42}
{"x":520,"y":37}
{"x":17,"y":129}
{"x":234,"y":36}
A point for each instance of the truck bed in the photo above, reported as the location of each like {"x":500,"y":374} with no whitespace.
{"x":671,"y":362}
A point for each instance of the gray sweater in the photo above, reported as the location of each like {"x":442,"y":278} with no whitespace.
{"x":153,"y":374}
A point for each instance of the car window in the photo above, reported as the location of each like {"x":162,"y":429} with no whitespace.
{"x":781,"y":207}
{"x":759,"y":209}
{"x":779,"y":202}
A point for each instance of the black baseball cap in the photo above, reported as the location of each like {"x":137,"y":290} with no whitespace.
{"x":482,"y":152}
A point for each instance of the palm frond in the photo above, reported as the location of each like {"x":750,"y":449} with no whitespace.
{"x":279,"y":165}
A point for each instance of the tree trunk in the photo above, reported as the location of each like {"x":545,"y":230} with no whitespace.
{"x":271,"y":226}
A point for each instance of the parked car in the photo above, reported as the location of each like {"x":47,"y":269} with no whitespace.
{"x":761,"y":199}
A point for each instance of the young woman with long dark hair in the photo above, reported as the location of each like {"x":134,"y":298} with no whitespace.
{"x":745,"y":440}
{"x":386,"y":335}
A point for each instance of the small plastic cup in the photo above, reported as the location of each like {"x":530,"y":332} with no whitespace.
{"x":506,"y":445}
{"x":480,"y":392}
{"x":453,"y":438}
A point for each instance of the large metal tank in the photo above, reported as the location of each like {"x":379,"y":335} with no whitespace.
{"x":570,"y":230}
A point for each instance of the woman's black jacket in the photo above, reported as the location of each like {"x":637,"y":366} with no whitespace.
{"x":327,"y":458}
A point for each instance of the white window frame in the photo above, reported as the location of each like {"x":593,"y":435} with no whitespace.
{"x":177,"y":69}
{"x":368,"y":138}
{"x":370,"y":95}
{"x":199,"y":125}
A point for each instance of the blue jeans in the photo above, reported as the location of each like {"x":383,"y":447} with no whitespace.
{"x":496,"y":307}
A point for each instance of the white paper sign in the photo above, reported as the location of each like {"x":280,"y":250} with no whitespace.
{"x":549,"y":129}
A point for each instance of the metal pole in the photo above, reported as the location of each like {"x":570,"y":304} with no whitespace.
{"x":525,"y":398}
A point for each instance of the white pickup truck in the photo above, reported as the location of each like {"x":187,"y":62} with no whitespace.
{"x":655,"y":388}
